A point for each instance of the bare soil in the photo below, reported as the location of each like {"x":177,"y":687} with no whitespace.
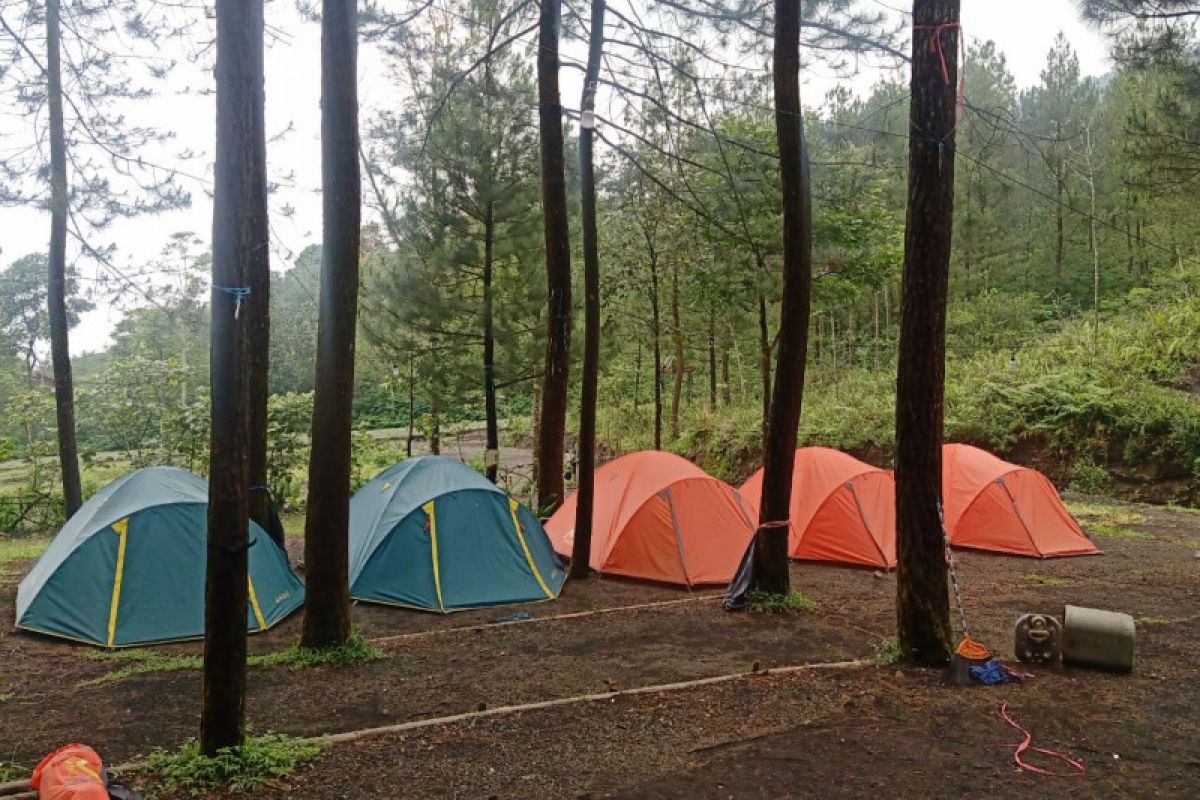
{"x":846,"y":733}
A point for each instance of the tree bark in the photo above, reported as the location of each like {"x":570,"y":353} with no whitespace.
{"x":922,"y":603}
{"x":491,"y":459}
{"x":56,"y":286}
{"x":412,"y":406}
{"x":726,"y":388}
{"x":656,"y":337}
{"x":581,"y":546}
{"x":326,"y":534}
{"x":712,"y":359}
{"x":236,"y":190}
{"x":677,"y":350}
{"x":770,"y":565}
{"x":558,"y":265}
{"x":258,"y":304}
{"x":764,"y":363}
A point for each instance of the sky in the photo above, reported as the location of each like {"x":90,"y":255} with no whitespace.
{"x":1023,"y":30}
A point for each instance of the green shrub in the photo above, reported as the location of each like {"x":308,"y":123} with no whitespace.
{"x":771,"y":603}
{"x":233,"y":769}
{"x":1088,"y":478}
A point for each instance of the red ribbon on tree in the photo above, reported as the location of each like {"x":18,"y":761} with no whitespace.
{"x":935,"y":46}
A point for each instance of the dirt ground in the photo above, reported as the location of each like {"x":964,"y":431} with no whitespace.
{"x":849,"y":732}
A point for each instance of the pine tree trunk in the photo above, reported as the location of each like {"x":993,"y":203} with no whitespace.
{"x":726,"y":389}
{"x":258,"y":304}
{"x":922,"y":604}
{"x":412,"y":406}
{"x":677,"y":351}
{"x":656,"y":336}
{"x":235,"y":196}
{"x":764,"y":363}
{"x":712,"y":359}
{"x":492,"y":465}
{"x":637,"y":377}
{"x":56,"y":286}
{"x":558,"y":265}
{"x":581,"y":547}
{"x":326,"y":535}
{"x":435,"y":423}
{"x":770,"y":567}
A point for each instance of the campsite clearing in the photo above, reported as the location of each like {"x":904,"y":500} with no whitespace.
{"x":759,"y":736}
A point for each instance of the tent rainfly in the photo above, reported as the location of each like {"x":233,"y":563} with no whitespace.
{"x":842,"y":510}
{"x":991,"y":504}
{"x":129,"y":567}
{"x":660,"y":517}
{"x":433,"y":534}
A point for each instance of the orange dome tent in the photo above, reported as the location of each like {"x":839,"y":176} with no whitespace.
{"x":991,"y":504}
{"x":842,"y":509}
{"x":660,"y":517}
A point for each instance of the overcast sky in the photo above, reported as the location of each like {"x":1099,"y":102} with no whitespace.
{"x":1024,"y":31}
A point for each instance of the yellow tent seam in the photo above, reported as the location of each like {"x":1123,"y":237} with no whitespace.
{"x":429,"y":510}
{"x":122,"y":529}
{"x":258,"y":615}
{"x":512,"y":507}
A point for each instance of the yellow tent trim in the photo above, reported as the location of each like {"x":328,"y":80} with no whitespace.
{"x":258,"y":615}
{"x":512,"y":507}
{"x":122,"y":529}
{"x":428,"y":508}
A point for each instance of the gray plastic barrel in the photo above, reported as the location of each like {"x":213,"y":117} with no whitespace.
{"x":1096,"y":638}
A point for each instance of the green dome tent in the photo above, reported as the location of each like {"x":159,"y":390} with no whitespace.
{"x":432,"y":533}
{"x":128,"y":567}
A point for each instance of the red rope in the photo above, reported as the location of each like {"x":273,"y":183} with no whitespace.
{"x":1024,"y":746}
{"x":935,"y":46}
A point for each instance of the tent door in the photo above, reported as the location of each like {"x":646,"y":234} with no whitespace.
{"x":687,"y":576}
{"x":1021,"y":517}
{"x":867,"y":524}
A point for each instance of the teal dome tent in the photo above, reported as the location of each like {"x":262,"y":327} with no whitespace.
{"x":128,"y":567}
{"x":432,"y":533}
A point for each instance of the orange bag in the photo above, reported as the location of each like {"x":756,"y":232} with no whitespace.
{"x":72,"y":772}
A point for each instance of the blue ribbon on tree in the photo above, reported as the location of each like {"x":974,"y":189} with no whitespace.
{"x":238,"y":293}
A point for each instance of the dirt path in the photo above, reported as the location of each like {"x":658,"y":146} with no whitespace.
{"x":846,"y":734}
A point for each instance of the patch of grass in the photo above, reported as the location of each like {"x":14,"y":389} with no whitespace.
{"x":355,"y":651}
{"x":12,"y":549}
{"x":887,"y":651}
{"x":1044,"y":580}
{"x":12,"y":772}
{"x":1148,"y":620}
{"x":233,"y":769}
{"x":1111,"y":530}
{"x":140,"y":661}
{"x":793,"y":601}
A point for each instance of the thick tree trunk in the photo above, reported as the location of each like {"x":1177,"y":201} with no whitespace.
{"x":1058,"y":213}
{"x":922,"y":604}
{"x":492,"y":457}
{"x":236,"y":191}
{"x":258,"y":304}
{"x":581,"y":547}
{"x":712,"y":359}
{"x":764,"y":363}
{"x":726,"y":389}
{"x":677,"y":350}
{"x":637,"y":377}
{"x":770,"y":566}
{"x":412,"y":406}
{"x":56,"y":286}
{"x":558,"y":265}
{"x":656,"y":336}
{"x":435,"y":423}
{"x":326,"y":534}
